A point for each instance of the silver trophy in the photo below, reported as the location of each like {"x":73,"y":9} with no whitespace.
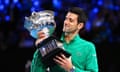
{"x":40,"y":21}
{"x":51,"y":46}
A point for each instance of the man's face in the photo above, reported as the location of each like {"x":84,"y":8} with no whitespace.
{"x":70,"y":23}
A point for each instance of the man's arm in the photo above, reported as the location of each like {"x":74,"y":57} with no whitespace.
{"x":91,"y":64}
{"x":36,"y":65}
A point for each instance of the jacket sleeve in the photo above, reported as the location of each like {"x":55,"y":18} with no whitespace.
{"x":36,"y":65}
{"x":91,"y":64}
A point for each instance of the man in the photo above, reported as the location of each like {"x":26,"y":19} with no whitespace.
{"x":83,"y":54}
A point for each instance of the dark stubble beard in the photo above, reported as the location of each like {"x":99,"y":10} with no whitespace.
{"x":68,"y":33}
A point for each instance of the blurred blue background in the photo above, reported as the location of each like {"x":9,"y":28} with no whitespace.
{"x":102,"y":28}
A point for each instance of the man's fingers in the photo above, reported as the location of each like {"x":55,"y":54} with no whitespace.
{"x":63,"y":56}
{"x":41,"y":34}
{"x":58,"y":61}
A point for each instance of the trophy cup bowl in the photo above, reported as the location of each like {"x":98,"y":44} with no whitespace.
{"x":51,"y":46}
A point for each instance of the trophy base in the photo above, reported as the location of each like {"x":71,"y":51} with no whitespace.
{"x":48,"y":59}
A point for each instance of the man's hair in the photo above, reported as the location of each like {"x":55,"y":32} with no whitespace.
{"x":81,"y":14}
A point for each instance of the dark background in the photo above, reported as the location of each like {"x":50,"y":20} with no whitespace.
{"x":102,"y":28}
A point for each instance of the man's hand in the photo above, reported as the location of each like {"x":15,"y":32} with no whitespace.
{"x":64,"y":62}
{"x":41,"y":37}
{"x":43,"y":34}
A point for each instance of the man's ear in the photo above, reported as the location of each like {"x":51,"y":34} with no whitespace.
{"x":80,"y":26}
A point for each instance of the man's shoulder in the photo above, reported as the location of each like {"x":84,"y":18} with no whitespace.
{"x":87,"y":43}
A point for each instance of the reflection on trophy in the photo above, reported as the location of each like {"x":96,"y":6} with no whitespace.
{"x":51,"y":46}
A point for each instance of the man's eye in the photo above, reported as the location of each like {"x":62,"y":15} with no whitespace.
{"x":71,"y":20}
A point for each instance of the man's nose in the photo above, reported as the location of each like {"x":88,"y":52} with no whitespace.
{"x":66,"y":22}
